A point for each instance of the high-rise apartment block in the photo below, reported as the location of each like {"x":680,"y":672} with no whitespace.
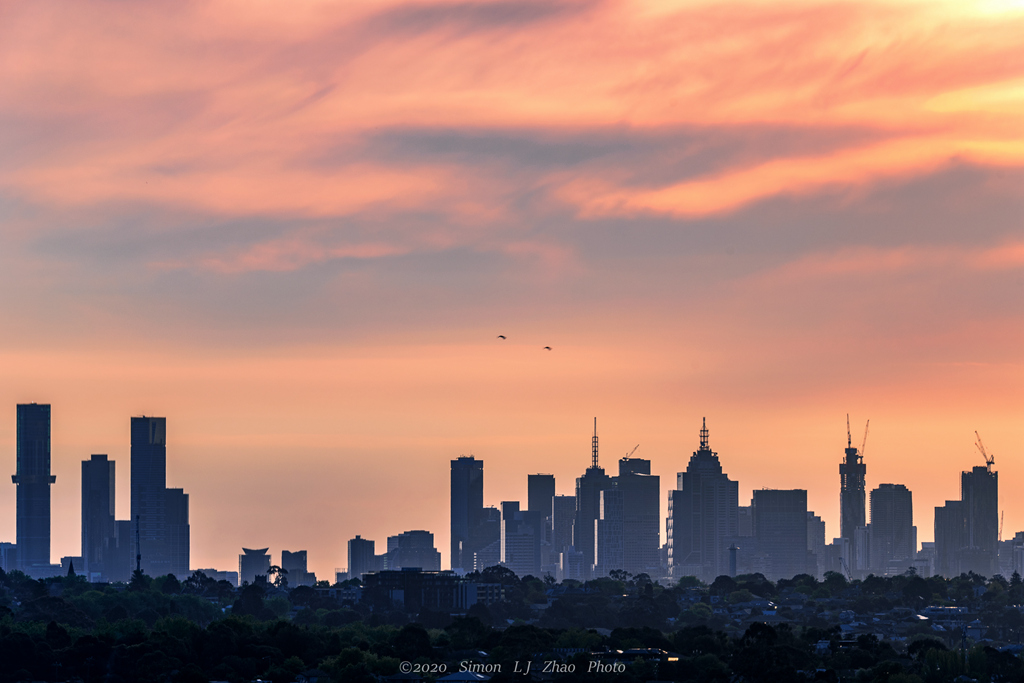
{"x":33,"y":480}
{"x":703,"y":515}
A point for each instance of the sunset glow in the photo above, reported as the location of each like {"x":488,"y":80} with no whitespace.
{"x":296,"y":230}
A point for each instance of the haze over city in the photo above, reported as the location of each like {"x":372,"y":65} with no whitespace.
{"x":299,"y":236}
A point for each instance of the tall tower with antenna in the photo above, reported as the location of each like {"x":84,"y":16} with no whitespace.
{"x":588,"y":507}
{"x":703,"y":514}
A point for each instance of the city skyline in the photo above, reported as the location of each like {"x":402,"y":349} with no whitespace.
{"x":332,"y":243}
{"x":147,"y":431}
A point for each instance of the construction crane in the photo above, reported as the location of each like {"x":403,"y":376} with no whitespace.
{"x":989,"y":459}
{"x":630,"y":454}
{"x":865,"y":441}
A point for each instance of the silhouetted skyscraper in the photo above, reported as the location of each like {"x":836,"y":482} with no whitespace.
{"x":161,"y":514}
{"x":703,"y":514}
{"x":540,"y":490}
{"x":609,"y":532}
{"x":816,"y":541}
{"x":641,"y":516}
{"x":540,"y":494}
{"x":33,"y":480}
{"x":178,"y":532}
{"x":588,"y":507}
{"x":98,"y":530}
{"x":979,"y":491}
{"x":852,"y":474}
{"x":967,"y":531}
{"x":149,"y":498}
{"x":467,"y":502}
{"x":521,"y":532}
{"x":780,"y":531}
{"x":563,"y":511}
{"x":892,"y":531}
{"x":950,"y":537}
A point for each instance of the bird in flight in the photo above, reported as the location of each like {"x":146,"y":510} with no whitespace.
{"x":547,"y":348}
{"x":501,"y":336}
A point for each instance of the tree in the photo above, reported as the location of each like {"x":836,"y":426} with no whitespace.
{"x":139,"y":582}
{"x":276,"y":576}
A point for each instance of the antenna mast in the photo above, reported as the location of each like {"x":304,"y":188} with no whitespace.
{"x":704,"y":435}
{"x":593,"y":445}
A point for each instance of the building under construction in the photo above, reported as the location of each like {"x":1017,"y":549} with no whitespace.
{"x":852,"y":475}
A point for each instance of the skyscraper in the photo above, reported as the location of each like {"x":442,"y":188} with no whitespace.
{"x":467,"y":503}
{"x":159,"y":515}
{"x":892,"y":531}
{"x":703,"y":513}
{"x":852,"y":474}
{"x":816,"y":541}
{"x":967,"y":530}
{"x":588,"y":507}
{"x":780,"y":531}
{"x":178,"y":531}
{"x":979,"y":491}
{"x":521,"y":532}
{"x":98,"y":529}
{"x":641,"y":516}
{"x":563,"y":513}
{"x":540,"y":489}
{"x":149,"y":500}
{"x":609,"y":533}
{"x":950,"y":537}
{"x":33,"y":480}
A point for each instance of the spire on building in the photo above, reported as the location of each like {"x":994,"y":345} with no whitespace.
{"x":704,"y":435}
{"x":593,"y":445}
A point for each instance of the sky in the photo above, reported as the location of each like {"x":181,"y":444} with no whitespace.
{"x":296,"y":230}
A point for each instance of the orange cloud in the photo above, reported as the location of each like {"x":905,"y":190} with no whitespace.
{"x":196,"y":106}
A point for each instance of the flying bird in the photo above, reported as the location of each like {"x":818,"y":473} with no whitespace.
{"x":501,"y":336}
{"x":547,"y":348}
